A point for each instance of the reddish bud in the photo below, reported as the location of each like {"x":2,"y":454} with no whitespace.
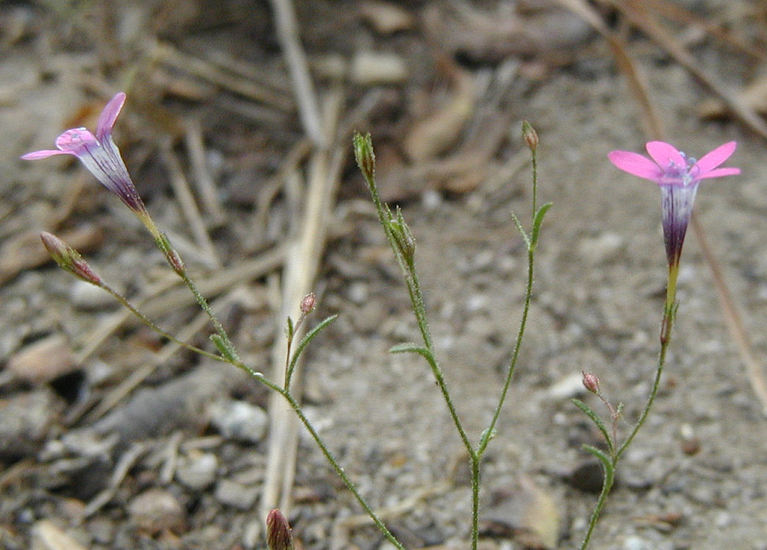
{"x":590,"y":382}
{"x":278,"y":535}
{"x":171,"y":255}
{"x":530,"y":135}
{"x":69,"y":259}
{"x":175,"y":261}
{"x":308,"y":303}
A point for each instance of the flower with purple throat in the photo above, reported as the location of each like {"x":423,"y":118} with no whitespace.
{"x":678,"y":177}
{"x":100,"y":155}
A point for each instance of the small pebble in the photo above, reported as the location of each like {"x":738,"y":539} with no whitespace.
{"x":369,"y":68}
{"x":723,"y":519}
{"x":26,"y":418}
{"x":197,"y":471}
{"x":43,"y":360}
{"x":236,"y":495}
{"x":358,"y":292}
{"x":385,"y":17}
{"x":586,"y":476}
{"x":86,"y":297}
{"x":567,"y":387}
{"x":157,"y":510}
{"x":602,"y":248}
{"x":47,"y":536}
{"x":239,"y":420}
{"x":634,"y":542}
{"x":431,"y":200}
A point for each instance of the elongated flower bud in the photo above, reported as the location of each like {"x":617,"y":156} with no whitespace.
{"x":530,"y":135}
{"x":366,"y":158}
{"x":278,"y":535}
{"x":403,"y":237}
{"x":69,"y":259}
{"x":590,"y":382}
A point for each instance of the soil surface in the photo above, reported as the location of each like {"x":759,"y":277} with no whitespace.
{"x":110,"y":438}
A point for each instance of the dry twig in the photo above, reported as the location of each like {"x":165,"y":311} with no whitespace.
{"x":188,"y":205}
{"x":202,"y":178}
{"x":308,"y":106}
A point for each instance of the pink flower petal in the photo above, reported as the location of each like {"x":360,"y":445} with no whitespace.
{"x":711,"y":160}
{"x":108,"y":116}
{"x":44,"y":154}
{"x":635,"y":164}
{"x":76,"y":141}
{"x":665,"y":154}
{"x":720,"y":172}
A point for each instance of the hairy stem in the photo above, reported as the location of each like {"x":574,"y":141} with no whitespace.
{"x":667,"y":323}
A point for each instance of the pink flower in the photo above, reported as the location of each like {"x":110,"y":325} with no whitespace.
{"x":678,"y":177}
{"x":99,"y":154}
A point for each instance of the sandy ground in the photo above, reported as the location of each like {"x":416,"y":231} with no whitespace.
{"x":696,"y":477}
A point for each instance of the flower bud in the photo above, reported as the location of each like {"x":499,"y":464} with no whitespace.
{"x":590,"y":382}
{"x":366,"y":158}
{"x":308,"y":303}
{"x":175,"y":261}
{"x":530,"y":135}
{"x":171,"y":254}
{"x":69,"y":259}
{"x":278,"y":535}
{"x":403,"y":237}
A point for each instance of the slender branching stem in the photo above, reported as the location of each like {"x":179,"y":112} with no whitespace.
{"x":419,"y":309}
{"x":515,"y":355}
{"x":669,"y":313}
{"x":328,"y":455}
{"x":534,"y":161}
{"x":475,"y":460}
{"x":607,"y":484}
{"x":151,"y":324}
{"x":487,"y":435}
{"x":667,"y":323}
{"x":203,"y":303}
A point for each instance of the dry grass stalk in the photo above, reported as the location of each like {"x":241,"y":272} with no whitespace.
{"x":188,"y":205}
{"x":206,"y":187}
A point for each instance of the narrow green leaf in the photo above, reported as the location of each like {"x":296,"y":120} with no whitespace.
{"x":290,"y":328}
{"x":220,"y":344}
{"x":409,"y":347}
{"x":603,"y":458}
{"x":596,"y":420}
{"x":308,"y":338}
{"x":487,"y":436}
{"x":537,"y":221}
{"x":521,"y":229}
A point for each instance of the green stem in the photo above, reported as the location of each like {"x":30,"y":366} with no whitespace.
{"x":151,"y":324}
{"x":419,"y":309}
{"x":515,"y":355}
{"x":475,"y":484}
{"x":203,"y":303}
{"x":328,"y":455}
{"x":234,"y":360}
{"x":488,"y":433}
{"x":535,"y":181}
{"x":439,"y":377}
{"x":667,"y":324}
{"x":607,"y":484}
